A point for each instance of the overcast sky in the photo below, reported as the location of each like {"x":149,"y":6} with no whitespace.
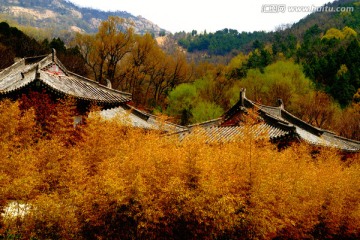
{"x":209,"y":15}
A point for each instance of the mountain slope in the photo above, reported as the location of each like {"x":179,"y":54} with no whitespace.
{"x":62,"y":15}
{"x":348,"y":16}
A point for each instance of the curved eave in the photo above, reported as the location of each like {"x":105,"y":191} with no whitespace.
{"x":11,"y":91}
{"x":232,"y":133}
{"x":335,"y":147}
{"x":94,"y":100}
{"x":29,"y":70}
{"x":98,"y":84}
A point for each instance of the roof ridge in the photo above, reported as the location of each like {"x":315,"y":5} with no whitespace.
{"x":344,"y":138}
{"x":267,"y":106}
{"x":97,"y":83}
{"x":301,"y":121}
{"x":42,"y":61}
{"x":149,"y":115}
{"x":205,"y":122}
{"x":8,"y":70}
{"x":59,"y":63}
{"x":34,"y":57}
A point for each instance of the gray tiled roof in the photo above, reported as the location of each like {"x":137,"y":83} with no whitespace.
{"x":63,"y":82}
{"x":131,"y":116}
{"x":329,"y":139}
{"x":233,"y":133}
{"x":274,"y":123}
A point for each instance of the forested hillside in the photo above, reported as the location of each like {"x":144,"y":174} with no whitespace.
{"x":224,"y":41}
{"x":319,"y":67}
{"x":221,"y":42}
{"x":324,"y":43}
{"x":323,"y":48}
{"x":326,"y":19}
{"x":103,"y":180}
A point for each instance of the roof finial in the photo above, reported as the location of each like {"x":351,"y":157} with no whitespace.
{"x":108,"y":83}
{"x":37,"y":74}
{"x":280,"y":103}
{"x":242,"y":96}
{"x":53,"y":52}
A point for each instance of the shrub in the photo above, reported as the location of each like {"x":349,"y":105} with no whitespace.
{"x":122,"y":183}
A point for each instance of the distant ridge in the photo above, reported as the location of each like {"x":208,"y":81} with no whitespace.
{"x":63,"y":15}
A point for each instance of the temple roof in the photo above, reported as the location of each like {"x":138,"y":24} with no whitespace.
{"x":233,"y":133}
{"x":47,"y":71}
{"x":276,"y":123}
{"x":131,"y":116}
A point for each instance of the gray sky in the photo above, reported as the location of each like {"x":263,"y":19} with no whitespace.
{"x":210,"y":15}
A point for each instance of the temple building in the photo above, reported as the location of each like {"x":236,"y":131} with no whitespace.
{"x":275,"y":123}
{"x":131,"y":116}
{"x":47,"y":74}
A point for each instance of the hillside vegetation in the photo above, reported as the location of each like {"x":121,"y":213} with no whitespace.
{"x":103,"y":180}
{"x":225,"y":41}
{"x":119,"y":183}
{"x":61,"y":17}
{"x":322,"y":70}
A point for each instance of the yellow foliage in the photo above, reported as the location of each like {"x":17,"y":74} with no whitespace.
{"x":343,"y":69}
{"x":334,"y":33}
{"x":122,"y":183}
{"x":347,"y":32}
{"x":238,"y":61}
